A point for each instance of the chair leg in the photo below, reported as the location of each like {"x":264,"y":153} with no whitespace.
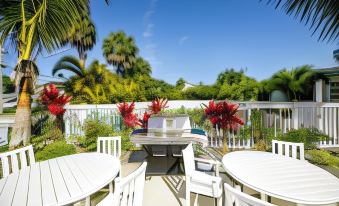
{"x":110,"y":187}
{"x":88,"y":201}
{"x":188,"y":190}
{"x":219,"y":201}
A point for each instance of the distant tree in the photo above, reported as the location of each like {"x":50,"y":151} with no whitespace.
{"x":139,"y":67}
{"x":201,"y":92}
{"x":320,"y":15}
{"x":229,"y":76}
{"x":294,"y":82}
{"x":82,"y":36}
{"x":120,"y":51}
{"x":235,"y":85}
{"x":8,"y":85}
{"x":180,"y":84}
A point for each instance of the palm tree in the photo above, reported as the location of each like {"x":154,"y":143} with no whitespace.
{"x":82,"y":36}
{"x":34,"y":26}
{"x":69,"y":63}
{"x":120,"y":51}
{"x":320,"y":15}
{"x":139,"y":67}
{"x":294,"y":82}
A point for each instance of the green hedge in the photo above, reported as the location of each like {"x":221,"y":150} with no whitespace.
{"x":322,"y":157}
{"x":56,"y":149}
{"x":310,"y":137}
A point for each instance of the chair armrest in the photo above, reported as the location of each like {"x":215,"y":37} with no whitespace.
{"x":209,"y":161}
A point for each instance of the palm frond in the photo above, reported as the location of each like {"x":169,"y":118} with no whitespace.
{"x":321,"y":15}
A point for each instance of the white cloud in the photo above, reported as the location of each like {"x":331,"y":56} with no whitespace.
{"x":183,"y":39}
{"x":148,"y":31}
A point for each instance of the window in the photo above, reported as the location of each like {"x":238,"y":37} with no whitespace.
{"x":334,"y":91}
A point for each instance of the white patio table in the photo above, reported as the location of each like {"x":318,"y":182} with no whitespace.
{"x":59,"y":181}
{"x":282,"y":177}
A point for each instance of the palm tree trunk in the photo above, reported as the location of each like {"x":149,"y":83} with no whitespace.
{"x":21,"y":132}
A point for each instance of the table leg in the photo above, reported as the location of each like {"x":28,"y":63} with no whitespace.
{"x":263,"y":197}
{"x":88,"y":201}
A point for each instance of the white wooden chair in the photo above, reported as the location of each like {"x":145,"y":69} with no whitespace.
{"x":288,"y":149}
{"x":128,"y":190}
{"x":234,"y":197}
{"x":200,"y":182}
{"x":15,"y":160}
{"x":109,"y":145}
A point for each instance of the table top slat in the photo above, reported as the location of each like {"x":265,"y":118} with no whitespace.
{"x":83,"y":182}
{"x":9,"y":189}
{"x":20,"y":197}
{"x":34,"y":187}
{"x":70,"y":180}
{"x":47,"y":188}
{"x":61,"y":190}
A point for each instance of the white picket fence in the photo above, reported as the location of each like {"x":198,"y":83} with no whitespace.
{"x":281,"y":116}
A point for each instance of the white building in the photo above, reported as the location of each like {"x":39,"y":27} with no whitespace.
{"x":327,"y":89}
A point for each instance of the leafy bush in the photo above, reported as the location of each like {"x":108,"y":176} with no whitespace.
{"x":260,"y":145}
{"x":94,"y":129}
{"x":49,"y":134}
{"x":323,"y":157}
{"x":56,"y":149}
{"x":310,"y":137}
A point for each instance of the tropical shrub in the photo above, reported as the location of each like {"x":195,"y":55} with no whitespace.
{"x":56,"y":149}
{"x":223,"y":115}
{"x":310,"y":137}
{"x":93,"y":129}
{"x":49,"y":134}
{"x":322,"y":157}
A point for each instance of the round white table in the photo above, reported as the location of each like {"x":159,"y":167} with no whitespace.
{"x":59,"y":181}
{"x":283,"y":177}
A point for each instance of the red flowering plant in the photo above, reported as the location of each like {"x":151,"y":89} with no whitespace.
{"x":223,"y":115}
{"x":55,"y":102}
{"x":130,"y":119}
{"x":157,"y":105}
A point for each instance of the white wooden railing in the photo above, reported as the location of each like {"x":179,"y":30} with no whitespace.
{"x":281,"y":116}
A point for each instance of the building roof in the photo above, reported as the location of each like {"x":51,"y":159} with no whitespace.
{"x":329,"y":72}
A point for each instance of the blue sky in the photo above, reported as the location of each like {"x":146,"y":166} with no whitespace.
{"x":197,"y":39}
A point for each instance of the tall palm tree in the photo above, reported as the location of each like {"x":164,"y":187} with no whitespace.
{"x":69,"y":63}
{"x":82,"y":36}
{"x":322,"y":15}
{"x":34,"y":26}
{"x":120,"y":51}
{"x":294,"y":82}
{"x":139,"y":67}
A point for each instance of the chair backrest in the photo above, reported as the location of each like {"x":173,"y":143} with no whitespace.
{"x":188,"y":156}
{"x":109,"y":145}
{"x":234,"y":197}
{"x":129,"y":190}
{"x":15,"y":160}
{"x":288,"y":149}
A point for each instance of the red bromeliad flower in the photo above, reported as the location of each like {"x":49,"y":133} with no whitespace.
{"x":223,"y":114}
{"x":131,"y":121}
{"x":53,"y":100}
{"x":126,"y":109}
{"x":129,"y":118}
{"x":145,"y":120}
{"x":158,"y":105}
